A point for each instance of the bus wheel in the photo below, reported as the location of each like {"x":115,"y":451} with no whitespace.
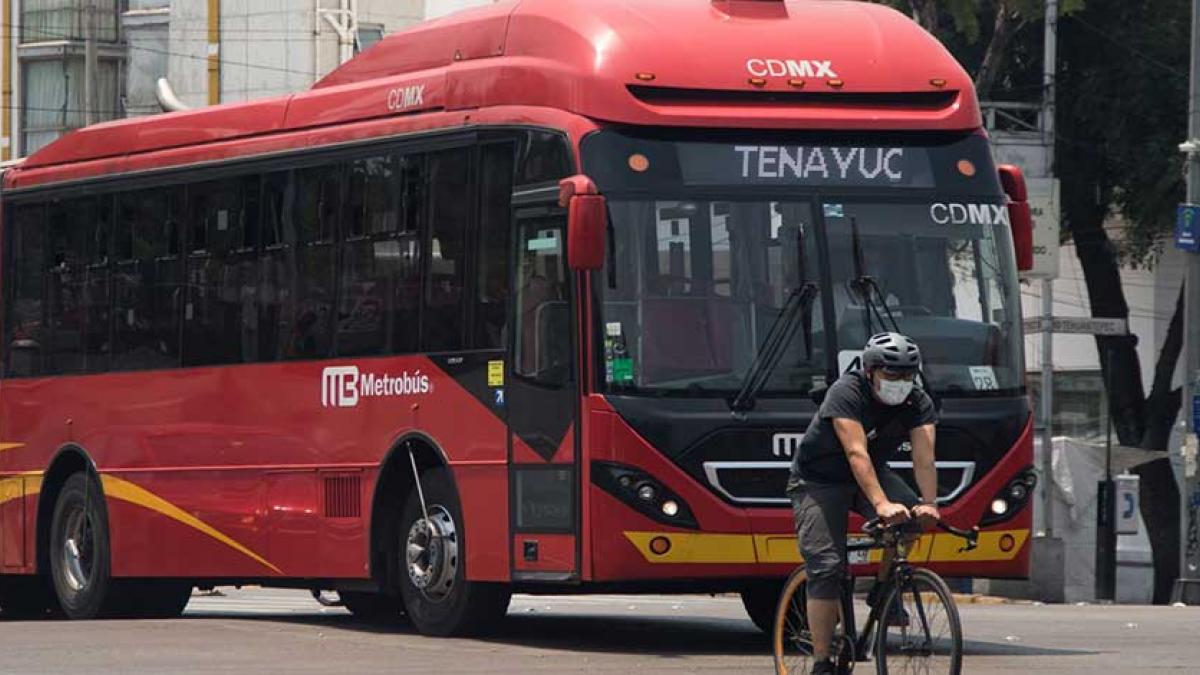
{"x":373,"y":607}
{"x":154,"y":599}
{"x":24,"y":597}
{"x":760,"y":602}
{"x":79,"y":550}
{"x":437,"y":596}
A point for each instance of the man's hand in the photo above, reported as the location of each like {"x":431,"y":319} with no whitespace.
{"x":892,"y":513}
{"x":926,"y":514}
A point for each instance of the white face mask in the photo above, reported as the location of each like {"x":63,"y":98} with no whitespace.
{"x":894,"y":392}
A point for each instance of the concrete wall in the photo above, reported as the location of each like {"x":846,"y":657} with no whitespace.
{"x":147,"y":30}
{"x":436,"y":8}
{"x":267,"y":47}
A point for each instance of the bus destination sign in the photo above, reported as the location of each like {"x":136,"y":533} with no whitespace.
{"x":714,"y":164}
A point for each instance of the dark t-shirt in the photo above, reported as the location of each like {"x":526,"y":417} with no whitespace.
{"x":821,"y":458}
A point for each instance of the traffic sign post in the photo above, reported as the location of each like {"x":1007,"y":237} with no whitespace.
{"x":1187,"y":227}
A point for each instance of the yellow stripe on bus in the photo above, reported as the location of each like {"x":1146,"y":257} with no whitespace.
{"x":20,"y":486}
{"x":698,"y":548}
{"x":117,"y":488}
{"x":10,"y":446}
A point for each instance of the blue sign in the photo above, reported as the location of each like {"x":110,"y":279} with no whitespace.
{"x":1196,"y":414}
{"x":1187,"y":228}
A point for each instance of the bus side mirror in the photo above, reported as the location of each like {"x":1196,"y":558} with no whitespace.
{"x":1019,"y":216}
{"x":587,"y":220}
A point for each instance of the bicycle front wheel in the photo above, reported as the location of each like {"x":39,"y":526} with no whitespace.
{"x":920,"y":631}
{"x":790,"y":634}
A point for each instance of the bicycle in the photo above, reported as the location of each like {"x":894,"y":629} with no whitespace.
{"x":909,"y":635}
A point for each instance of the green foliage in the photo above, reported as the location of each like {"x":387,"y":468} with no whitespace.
{"x":1123,"y":91}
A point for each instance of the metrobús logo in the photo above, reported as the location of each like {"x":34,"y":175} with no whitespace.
{"x":344,"y":386}
{"x":790,"y":68}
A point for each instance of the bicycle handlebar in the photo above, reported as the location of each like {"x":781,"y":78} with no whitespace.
{"x":876,"y":527}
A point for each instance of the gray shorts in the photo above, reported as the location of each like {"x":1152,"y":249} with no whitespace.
{"x":822,"y":515}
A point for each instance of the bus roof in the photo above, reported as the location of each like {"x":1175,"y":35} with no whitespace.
{"x":795,"y":64}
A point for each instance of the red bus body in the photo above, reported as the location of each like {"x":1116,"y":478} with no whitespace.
{"x":240,"y":473}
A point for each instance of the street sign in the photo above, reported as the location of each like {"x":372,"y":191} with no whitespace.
{"x":1044,"y":207}
{"x":1084,"y":325}
{"x":1127,"y":503}
{"x":1187,"y":227}
{"x":1196,"y":414}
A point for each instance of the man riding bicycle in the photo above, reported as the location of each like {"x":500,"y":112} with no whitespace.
{"x":841,"y":465}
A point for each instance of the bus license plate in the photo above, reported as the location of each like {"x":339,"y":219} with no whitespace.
{"x":858,"y":557}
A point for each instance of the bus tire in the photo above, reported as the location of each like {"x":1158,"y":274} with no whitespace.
{"x":376,"y":608}
{"x":25,"y":597}
{"x":438,"y":598}
{"x":760,"y":602}
{"x":80,"y":555}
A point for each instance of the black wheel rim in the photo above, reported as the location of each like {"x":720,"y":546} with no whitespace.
{"x":918,"y":638}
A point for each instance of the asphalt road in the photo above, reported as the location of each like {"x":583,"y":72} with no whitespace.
{"x":269,"y":631}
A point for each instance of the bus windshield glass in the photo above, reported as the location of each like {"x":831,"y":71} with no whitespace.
{"x":704,"y":256}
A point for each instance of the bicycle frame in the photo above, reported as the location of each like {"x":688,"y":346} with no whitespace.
{"x":894,"y":571}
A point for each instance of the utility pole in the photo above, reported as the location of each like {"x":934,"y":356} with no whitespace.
{"x":1049,"y":66}
{"x":1187,"y":587}
{"x":89,"y":64}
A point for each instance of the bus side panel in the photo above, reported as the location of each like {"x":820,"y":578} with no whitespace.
{"x":483,"y":492}
{"x":247,"y":471}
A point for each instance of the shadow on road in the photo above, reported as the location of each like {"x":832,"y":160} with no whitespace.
{"x":662,"y":636}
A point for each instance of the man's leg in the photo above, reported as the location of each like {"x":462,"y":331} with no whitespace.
{"x":822,"y":513}
{"x":899,"y":492}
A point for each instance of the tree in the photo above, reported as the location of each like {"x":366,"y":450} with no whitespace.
{"x":980,"y":32}
{"x":1123,"y":89}
{"x":1122,"y":97}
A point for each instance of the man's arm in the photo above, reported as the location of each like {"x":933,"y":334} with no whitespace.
{"x":854,"y":442}
{"x":922,"y":439}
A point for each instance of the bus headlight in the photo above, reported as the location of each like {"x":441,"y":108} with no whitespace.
{"x":643,"y":493}
{"x":646,"y":492}
{"x":1010,"y":499}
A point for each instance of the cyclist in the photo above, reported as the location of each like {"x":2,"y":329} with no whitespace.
{"x":840,"y":465}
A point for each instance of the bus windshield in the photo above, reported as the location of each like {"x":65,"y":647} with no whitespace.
{"x":694,"y":287}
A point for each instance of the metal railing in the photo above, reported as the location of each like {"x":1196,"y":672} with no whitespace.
{"x":1012,"y":117}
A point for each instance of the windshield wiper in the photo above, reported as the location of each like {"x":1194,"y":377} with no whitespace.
{"x":799,"y":302}
{"x":868,"y":289}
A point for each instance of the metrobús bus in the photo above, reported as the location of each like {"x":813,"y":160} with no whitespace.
{"x":487,"y":310}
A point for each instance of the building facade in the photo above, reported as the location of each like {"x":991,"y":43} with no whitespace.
{"x":210,"y":51}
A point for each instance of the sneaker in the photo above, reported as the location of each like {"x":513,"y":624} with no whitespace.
{"x":825,"y":667}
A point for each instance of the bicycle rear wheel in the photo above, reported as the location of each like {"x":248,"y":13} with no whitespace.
{"x":920,"y":631}
{"x":791,"y":638}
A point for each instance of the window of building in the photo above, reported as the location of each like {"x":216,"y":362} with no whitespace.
{"x":368,"y":35}
{"x":57,"y":20}
{"x":53,"y":98}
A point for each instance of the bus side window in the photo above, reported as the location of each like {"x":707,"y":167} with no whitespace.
{"x":147,"y":295}
{"x":64,"y":284}
{"x":495,"y":229}
{"x":379,"y":290}
{"x":25,"y":274}
{"x":305,"y":259}
{"x":221,"y":311}
{"x":449,"y":180}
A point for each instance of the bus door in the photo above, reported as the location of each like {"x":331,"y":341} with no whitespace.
{"x":543,"y":399}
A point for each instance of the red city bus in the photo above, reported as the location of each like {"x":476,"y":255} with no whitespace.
{"x":538,"y":297}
